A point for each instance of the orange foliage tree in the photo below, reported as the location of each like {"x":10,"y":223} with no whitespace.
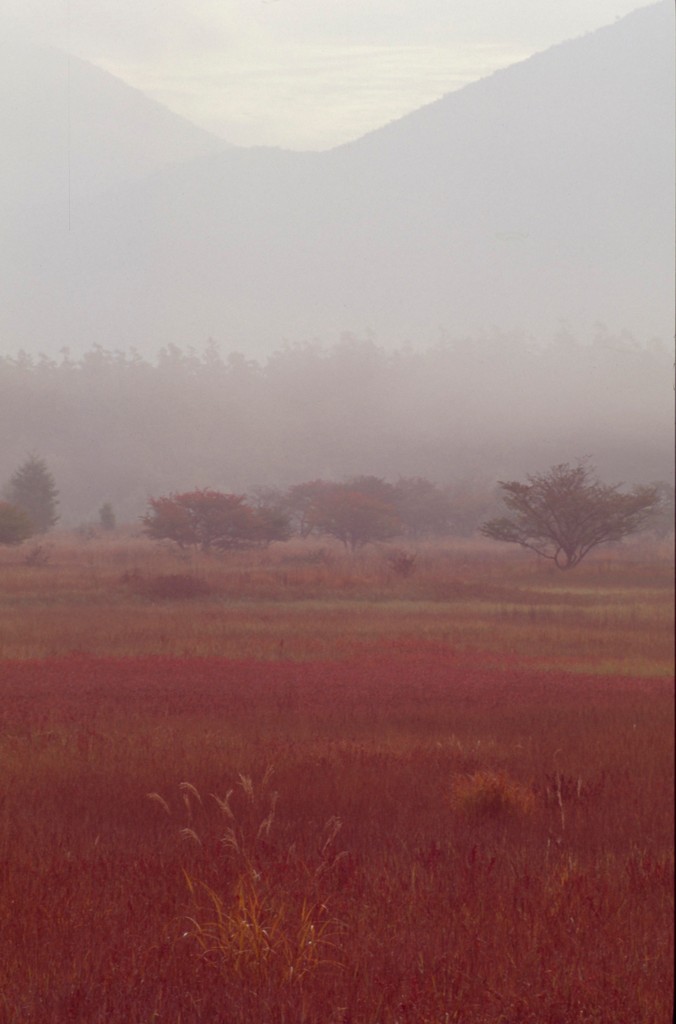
{"x":351,"y":516}
{"x":207,"y":519}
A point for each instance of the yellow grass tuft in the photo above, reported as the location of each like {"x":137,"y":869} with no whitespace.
{"x":489,"y":794}
{"x":261,"y":934}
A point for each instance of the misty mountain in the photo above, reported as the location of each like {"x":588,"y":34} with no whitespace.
{"x":71,"y":131}
{"x":539,"y":194}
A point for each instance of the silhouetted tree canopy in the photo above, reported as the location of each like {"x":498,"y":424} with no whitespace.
{"x":565,"y":512}
{"x":115,"y":426}
{"x":423,"y":508}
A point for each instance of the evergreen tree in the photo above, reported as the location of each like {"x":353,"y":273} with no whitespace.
{"x":107,"y":518}
{"x":33,"y":490}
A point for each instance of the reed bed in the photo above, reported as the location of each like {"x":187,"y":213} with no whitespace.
{"x":308,"y":790}
{"x":424,"y":836}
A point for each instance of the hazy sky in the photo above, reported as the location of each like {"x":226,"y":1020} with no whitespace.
{"x":303,"y":74}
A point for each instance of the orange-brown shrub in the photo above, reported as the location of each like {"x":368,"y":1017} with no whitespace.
{"x":490,"y":794}
{"x":168,"y":587}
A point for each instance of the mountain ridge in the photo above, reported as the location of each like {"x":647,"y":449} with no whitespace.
{"x":543,"y":198}
{"x":65,"y":117}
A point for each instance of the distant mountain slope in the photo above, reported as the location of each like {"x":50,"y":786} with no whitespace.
{"x":67,"y":126}
{"x":542,"y":193}
{"x":546,"y":187}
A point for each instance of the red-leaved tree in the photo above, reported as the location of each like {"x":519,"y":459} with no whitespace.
{"x":352,"y":517}
{"x":202,"y":518}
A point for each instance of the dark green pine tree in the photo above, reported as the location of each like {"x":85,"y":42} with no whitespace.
{"x":32,"y":489}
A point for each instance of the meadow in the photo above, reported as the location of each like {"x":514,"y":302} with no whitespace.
{"x":291,"y":786}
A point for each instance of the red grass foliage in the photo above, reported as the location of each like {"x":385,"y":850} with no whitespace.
{"x":410,"y":839}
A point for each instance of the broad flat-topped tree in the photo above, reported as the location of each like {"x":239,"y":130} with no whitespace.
{"x":565,"y":512}
{"x":210,"y":519}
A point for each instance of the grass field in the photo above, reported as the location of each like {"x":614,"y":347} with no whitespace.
{"x":292,"y":786}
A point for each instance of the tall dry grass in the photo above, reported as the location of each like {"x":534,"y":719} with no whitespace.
{"x":413,"y":837}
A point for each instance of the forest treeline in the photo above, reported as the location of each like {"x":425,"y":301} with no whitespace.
{"x":117,"y":428}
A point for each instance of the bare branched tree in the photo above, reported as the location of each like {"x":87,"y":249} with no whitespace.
{"x":565,"y":512}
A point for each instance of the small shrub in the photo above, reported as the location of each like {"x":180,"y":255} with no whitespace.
{"x":402,"y":563}
{"x":172,"y":587}
{"x":317,"y":556}
{"x":488,"y":794}
{"x":38,"y":555}
{"x":15,"y":524}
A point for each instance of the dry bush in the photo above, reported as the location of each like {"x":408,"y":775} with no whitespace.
{"x":301,"y":554}
{"x":38,"y":555}
{"x":171,"y":587}
{"x":402,"y":563}
{"x":490,"y":794}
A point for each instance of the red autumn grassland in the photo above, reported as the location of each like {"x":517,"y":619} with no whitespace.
{"x":314,"y":791}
